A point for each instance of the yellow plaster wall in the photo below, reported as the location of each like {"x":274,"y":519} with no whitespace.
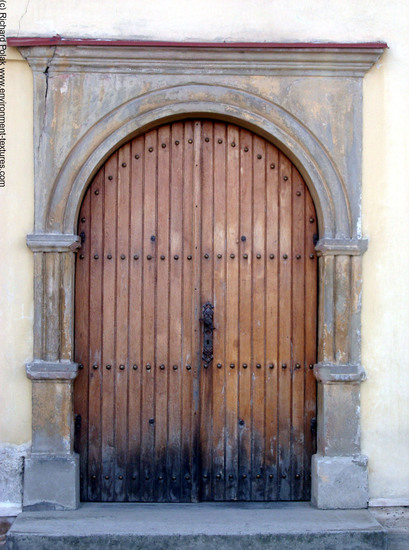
{"x":16,"y":262}
{"x":385,"y":320}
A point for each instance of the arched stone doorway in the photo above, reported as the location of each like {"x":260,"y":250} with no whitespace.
{"x":270,"y":90}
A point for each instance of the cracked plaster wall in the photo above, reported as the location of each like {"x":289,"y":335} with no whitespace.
{"x":385,"y":318}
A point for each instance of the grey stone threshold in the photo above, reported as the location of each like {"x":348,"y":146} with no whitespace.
{"x":221,"y":526}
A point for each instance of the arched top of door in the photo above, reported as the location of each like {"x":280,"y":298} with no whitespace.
{"x":257,"y":114}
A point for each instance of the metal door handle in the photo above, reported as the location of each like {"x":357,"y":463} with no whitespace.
{"x":208,"y":328}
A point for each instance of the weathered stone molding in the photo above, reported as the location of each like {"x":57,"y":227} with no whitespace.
{"x":53,"y":242}
{"x":116,"y":93}
{"x":331,"y":373}
{"x":341,"y":247}
{"x":258,"y":114}
{"x":353,"y":61}
{"x":47,"y":370}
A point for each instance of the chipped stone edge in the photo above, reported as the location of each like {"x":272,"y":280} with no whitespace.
{"x":341,"y":247}
{"x":331,"y":373}
{"x":48,"y":370}
{"x":53,"y":242}
{"x":396,"y":502}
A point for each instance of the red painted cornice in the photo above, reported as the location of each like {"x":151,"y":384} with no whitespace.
{"x":18,"y":41}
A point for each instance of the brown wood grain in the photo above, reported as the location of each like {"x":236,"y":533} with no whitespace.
{"x":95,"y":338}
{"x":122,"y":322}
{"x":189,"y":363}
{"x":284,"y":332}
{"x":245,"y":298}
{"x":272,"y":322}
{"x":206,"y":376}
{"x":219,"y":294}
{"x":297,"y":320}
{"x":190,"y":212}
{"x":135,"y":318}
{"x":258,"y":303}
{"x":175,"y":310}
{"x":82,"y":344}
{"x":162,"y":315}
{"x":310,"y":331}
{"x":109,"y":363}
{"x":232,"y":314}
{"x":149,"y":258}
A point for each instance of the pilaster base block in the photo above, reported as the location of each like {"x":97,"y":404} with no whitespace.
{"x":339,"y":482}
{"x":51,"y":482}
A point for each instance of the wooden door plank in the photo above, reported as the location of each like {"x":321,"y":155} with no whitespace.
{"x":219,"y":283}
{"x":285,"y":308}
{"x":175,"y":310}
{"x":189,"y":357}
{"x":108,"y":363}
{"x":272,"y":326}
{"x":196,"y":307}
{"x":206,"y":374}
{"x":122,"y":323}
{"x":232,"y":312}
{"x":148,"y":316}
{"x":95,"y":314}
{"x":162,"y":314}
{"x":135,"y":318}
{"x":310,"y":327}
{"x":297,"y":329}
{"x":258,"y":326}
{"x":82,"y":274}
{"x":245,"y":312}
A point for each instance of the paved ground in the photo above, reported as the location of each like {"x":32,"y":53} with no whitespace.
{"x":225,"y":526}
{"x":396,"y":519}
{"x":396,"y":523}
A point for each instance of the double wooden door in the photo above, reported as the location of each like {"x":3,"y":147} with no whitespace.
{"x":195,"y":323}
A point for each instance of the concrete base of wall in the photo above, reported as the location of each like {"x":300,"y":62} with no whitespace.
{"x":11,"y":478}
{"x":51,"y":482}
{"x":339,"y":482}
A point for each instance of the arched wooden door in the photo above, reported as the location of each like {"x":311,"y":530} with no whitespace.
{"x":167,"y":409}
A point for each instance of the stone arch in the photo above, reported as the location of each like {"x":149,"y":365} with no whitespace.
{"x":255,"y":113}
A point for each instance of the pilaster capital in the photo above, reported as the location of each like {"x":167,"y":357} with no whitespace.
{"x":332,"y":373}
{"x":53,"y":242}
{"x":341,"y":247}
{"x":51,"y":370}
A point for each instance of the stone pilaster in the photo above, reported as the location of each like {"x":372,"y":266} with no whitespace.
{"x":51,"y":476}
{"x":339,"y":470}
